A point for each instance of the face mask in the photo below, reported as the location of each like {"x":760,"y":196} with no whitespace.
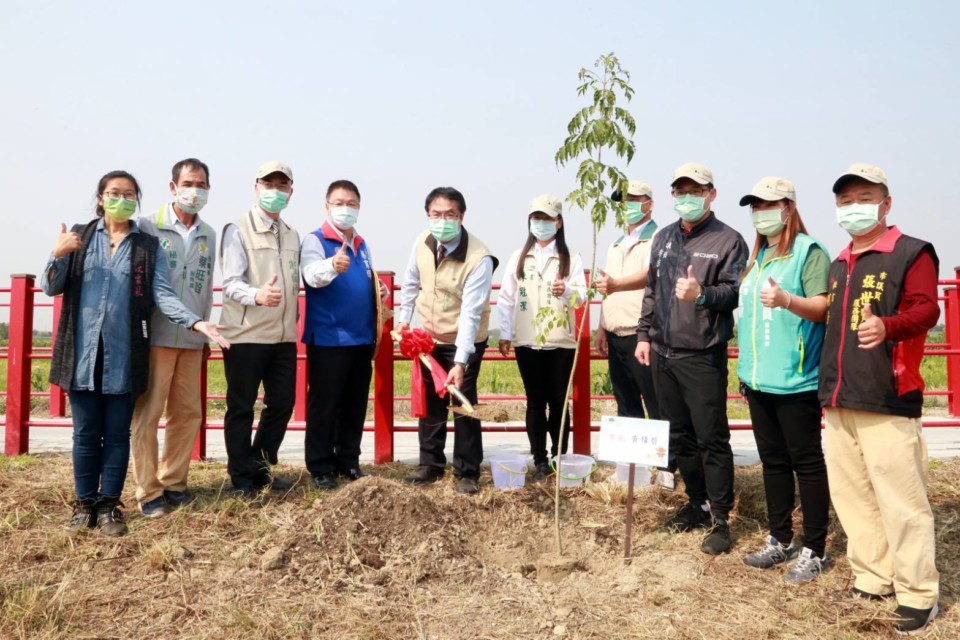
{"x":344,"y":217}
{"x":444,"y":230}
{"x":192,"y":199}
{"x":119,"y":209}
{"x":768,"y":222}
{"x":858,"y":219}
{"x":273,"y":200}
{"x":543,"y":229}
{"x":635,"y":212}
{"x":689,"y":208}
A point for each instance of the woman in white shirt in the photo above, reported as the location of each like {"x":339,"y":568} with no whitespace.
{"x":541,"y":286}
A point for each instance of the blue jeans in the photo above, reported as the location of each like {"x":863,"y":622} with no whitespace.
{"x":101,"y":442}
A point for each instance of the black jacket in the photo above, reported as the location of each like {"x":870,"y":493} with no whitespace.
{"x":718,"y":255}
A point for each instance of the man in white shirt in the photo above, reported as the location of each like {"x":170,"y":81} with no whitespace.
{"x":455,"y":270}
{"x":260,"y":258}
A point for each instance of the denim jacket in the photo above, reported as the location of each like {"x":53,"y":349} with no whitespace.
{"x":105,"y":309}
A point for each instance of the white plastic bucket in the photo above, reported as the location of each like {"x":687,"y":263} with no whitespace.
{"x":642,"y":476}
{"x":509,"y":471}
{"x":574,"y":469}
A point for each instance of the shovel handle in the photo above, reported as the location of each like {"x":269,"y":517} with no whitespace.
{"x":456,"y":393}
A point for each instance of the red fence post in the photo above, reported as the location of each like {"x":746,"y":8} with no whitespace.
{"x":19,"y":347}
{"x":581,"y":384}
{"x":952,"y":337}
{"x":300,"y":404}
{"x":200,"y":444}
{"x":383,"y":416}
{"x":57,"y":397}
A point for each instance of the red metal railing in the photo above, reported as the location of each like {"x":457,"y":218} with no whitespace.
{"x":20,"y":355}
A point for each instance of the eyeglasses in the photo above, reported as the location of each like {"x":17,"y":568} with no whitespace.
{"x":279,"y":186}
{"x":449,"y":215}
{"x":353,"y":204}
{"x":701,"y":192}
{"x":116,"y":195}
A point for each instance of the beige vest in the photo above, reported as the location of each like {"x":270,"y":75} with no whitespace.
{"x":260,"y":324}
{"x":441,"y":286}
{"x":621,"y":310}
{"x":534,"y":293}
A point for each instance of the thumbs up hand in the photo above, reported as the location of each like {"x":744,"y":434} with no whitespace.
{"x":341,"y":261}
{"x":871,"y":332}
{"x":67,"y":242}
{"x":269,"y":295}
{"x":605,"y":284}
{"x":771,"y":295}
{"x":559,"y":286}
{"x":688,"y":289}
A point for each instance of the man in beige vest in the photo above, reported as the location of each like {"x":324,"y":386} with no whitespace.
{"x":260,"y":258}
{"x":448,"y":280}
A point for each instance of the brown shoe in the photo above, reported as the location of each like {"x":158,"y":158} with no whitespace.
{"x":110,"y":518}
{"x":424,"y":475}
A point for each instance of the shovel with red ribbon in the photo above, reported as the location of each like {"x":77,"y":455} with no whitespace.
{"x":417,"y":344}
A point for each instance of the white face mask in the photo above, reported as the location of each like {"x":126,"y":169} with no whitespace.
{"x":192,"y":199}
{"x":344,"y":217}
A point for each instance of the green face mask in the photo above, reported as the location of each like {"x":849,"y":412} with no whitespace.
{"x":768,"y":222}
{"x":689,"y":208}
{"x":119,"y":209}
{"x":273,"y":200}
{"x":634,"y":212}
{"x":444,"y":230}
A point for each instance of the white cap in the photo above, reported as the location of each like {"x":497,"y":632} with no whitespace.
{"x":546,"y":204}
{"x":869,"y":172}
{"x":274,"y":166}
{"x":770,"y":189}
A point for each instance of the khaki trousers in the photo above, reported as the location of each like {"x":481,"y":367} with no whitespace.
{"x":174,"y":382}
{"x":877,"y":467}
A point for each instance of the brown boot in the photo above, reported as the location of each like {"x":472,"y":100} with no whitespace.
{"x":110,"y":518}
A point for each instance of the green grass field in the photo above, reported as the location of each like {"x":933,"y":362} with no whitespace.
{"x":496,"y":378}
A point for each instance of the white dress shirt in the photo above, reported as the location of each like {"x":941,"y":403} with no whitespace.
{"x":475,"y":291}
{"x":235,"y":263}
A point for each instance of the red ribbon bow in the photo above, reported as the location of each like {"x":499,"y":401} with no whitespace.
{"x":414,"y":344}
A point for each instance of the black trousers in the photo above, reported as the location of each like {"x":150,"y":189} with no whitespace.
{"x":632,"y":382}
{"x":336,"y":406}
{"x":246,"y":366}
{"x":787,"y":430}
{"x":693,"y":397}
{"x":545,"y":374}
{"x":467,"y":438}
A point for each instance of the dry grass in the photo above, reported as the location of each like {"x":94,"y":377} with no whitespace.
{"x":377,"y":559}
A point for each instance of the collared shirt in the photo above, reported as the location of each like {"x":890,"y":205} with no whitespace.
{"x":105,"y":308}
{"x":187,"y":233}
{"x":633,"y":237}
{"x":235,"y":264}
{"x":507,"y":300}
{"x":475,"y":291}
{"x":315,"y":267}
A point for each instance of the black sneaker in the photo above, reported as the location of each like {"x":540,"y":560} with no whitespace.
{"x":860,"y":594}
{"x":154,"y":508}
{"x":424,"y":475}
{"x":354,"y":473}
{"x":325,"y":481}
{"x":691,"y":516}
{"x":912,"y":621}
{"x":110,"y":518}
{"x":177,"y":498}
{"x":245,"y":492}
{"x":718,"y":540}
{"x":541,"y":472}
{"x":467,"y":486}
{"x":84,"y":515}
{"x":279,"y":484}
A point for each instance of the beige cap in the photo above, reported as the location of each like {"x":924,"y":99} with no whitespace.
{"x":634,"y":188}
{"x":695,"y":171}
{"x":547,"y":204}
{"x":770,"y":189}
{"x":274,"y":166}
{"x":869,"y":172}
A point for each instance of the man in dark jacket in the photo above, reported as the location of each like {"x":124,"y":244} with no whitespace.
{"x":685,"y":323}
{"x":883,"y":300}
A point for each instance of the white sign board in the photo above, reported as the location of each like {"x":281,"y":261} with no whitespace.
{"x":634,"y":440}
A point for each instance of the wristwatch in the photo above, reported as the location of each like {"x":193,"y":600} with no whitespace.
{"x":463,"y":365}
{"x":701,"y":299}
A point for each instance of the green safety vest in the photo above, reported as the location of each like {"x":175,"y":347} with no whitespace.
{"x":779,"y":350}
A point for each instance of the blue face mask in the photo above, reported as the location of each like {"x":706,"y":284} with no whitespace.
{"x":543,"y":229}
{"x":344,"y":217}
{"x":689,"y":208}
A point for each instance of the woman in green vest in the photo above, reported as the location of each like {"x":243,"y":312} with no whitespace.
{"x":541,"y":286}
{"x":783,"y":304}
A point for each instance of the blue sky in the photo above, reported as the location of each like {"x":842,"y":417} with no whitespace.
{"x":404,"y":96}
